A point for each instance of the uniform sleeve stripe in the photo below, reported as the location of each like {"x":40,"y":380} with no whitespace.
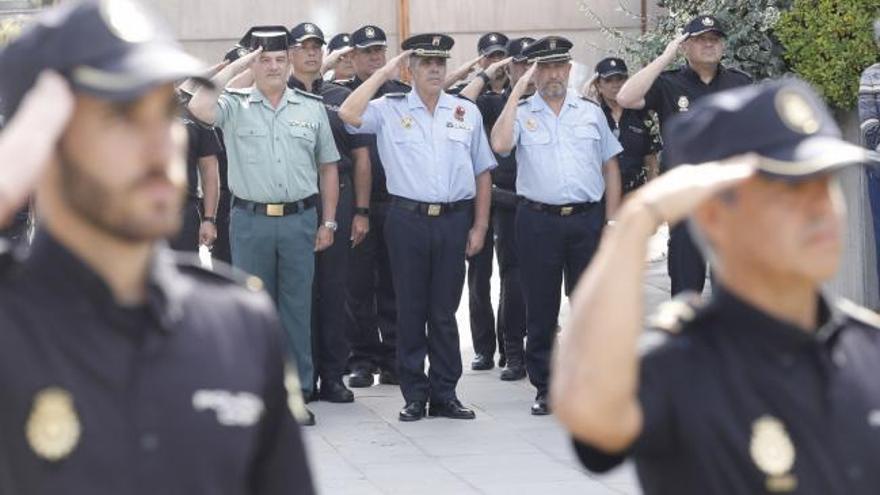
{"x":870,"y":89}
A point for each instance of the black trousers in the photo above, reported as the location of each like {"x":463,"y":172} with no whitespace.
{"x":330,"y":348}
{"x":482,"y":317}
{"x":549,"y":247}
{"x":188,"y":237}
{"x":685,"y":263}
{"x":428,"y":255}
{"x":221,"y":250}
{"x":511,"y":304}
{"x":370,"y":303}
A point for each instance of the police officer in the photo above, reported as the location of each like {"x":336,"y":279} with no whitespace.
{"x":767,"y":387}
{"x":437,"y":160}
{"x":371,"y":302}
{"x":638,"y":160}
{"x":569,"y":182}
{"x":491,"y":48}
{"x":669,"y":92}
{"x":337,"y":64}
{"x":869,"y":117}
{"x":331,"y":348}
{"x":278,"y":141}
{"x":203,"y":183}
{"x":511,"y":306}
{"x":126,"y":370}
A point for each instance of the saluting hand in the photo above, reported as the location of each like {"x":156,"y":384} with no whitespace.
{"x":332,"y":59}
{"x":246,"y":61}
{"x":672,"y":48}
{"x":393,"y":67}
{"x":494,"y":67}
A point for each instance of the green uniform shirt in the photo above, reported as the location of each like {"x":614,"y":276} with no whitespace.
{"x":273,"y":153}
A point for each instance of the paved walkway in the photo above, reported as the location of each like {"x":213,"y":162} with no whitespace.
{"x":362,"y":448}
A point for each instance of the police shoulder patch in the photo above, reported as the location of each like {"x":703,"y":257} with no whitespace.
{"x":672,"y":316}
{"x":307,"y":94}
{"x":858,"y":313}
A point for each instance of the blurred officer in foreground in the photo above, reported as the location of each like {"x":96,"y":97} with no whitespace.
{"x":125,"y":370}
{"x":767,"y":387}
{"x":569,"y":182}
{"x":329,"y":322}
{"x":638,"y":160}
{"x":511,"y":304}
{"x":869,"y":116}
{"x":371,"y":304}
{"x":278,"y":142}
{"x":673,"y":91}
{"x":437,"y":161}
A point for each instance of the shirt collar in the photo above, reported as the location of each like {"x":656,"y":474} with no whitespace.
{"x":50,"y":262}
{"x":538,"y":104}
{"x":257,"y":96}
{"x":296,"y":83}
{"x":693,"y":76}
{"x":415,"y":101}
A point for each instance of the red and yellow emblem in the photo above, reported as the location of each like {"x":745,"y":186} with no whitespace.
{"x":459,"y":113}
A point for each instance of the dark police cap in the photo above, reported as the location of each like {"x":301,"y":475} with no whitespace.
{"x":490,"y":43}
{"x":549,"y":49}
{"x":339,"y":41}
{"x":704,"y":24}
{"x":269,"y":38}
{"x":429,"y":45}
{"x":112,"y":49}
{"x":784,"y":122}
{"x":611,"y":66}
{"x":306,"y":31}
{"x":368,"y":36}
{"x":516,"y":46}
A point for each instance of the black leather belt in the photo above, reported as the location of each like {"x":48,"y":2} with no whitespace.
{"x":558,"y":210}
{"x":430,"y":209}
{"x":276,"y":209}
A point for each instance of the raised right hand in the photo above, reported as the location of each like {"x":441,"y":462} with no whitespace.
{"x":672,"y":48}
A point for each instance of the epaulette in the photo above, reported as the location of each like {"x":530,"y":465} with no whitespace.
{"x":395,"y":95}
{"x":523,"y":101}
{"x":310,"y":95}
{"x":240,"y":91}
{"x":401,"y":84}
{"x":218,"y":273}
{"x":858,"y":313}
{"x":672,"y":316}
{"x":590,"y":100}
{"x":465,"y":98}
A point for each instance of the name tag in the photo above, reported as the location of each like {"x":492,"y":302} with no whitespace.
{"x":302,"y":123}
{"x":459,"y":125}
{"x":232,"y":409}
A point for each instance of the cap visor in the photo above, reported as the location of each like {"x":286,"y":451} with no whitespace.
{"x":489,"y":50}
{"x":610,"y":73}
{"x":138,"y":71}
{"x":310,"y":37}
{"x":372,"y":43}
{"x":814,"y":156}
{"x":707,"y":30}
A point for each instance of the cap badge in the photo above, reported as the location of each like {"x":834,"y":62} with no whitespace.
{"x":552,"y":44}
{"x":493,"y":38}
{"x":613,"y":63}
{"x":708,"y":22}
{"x":525,"y":44}
{"x":683,"y":104}
{"x":53,"y":428}
{"x":406,"y":122}
{"x":459,"y":113}
{"x":532,"y":125}
{"x":773,"y":452}
{"x":346,"y":39}
{"x":370,"y":32}
{"x":310,"y":28}
{"x":435,"y":41}
{"x":127,"y":20}
{"x":796,"y":112}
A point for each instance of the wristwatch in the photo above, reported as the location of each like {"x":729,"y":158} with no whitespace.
{"x":210,"y":219}
{"x":611,"y":223}
{"x":362,"y":211}
{"x":485,"y":77}
{"x":330,"y":224}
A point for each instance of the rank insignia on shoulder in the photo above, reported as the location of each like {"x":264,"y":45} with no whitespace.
{"x":672,"y":316}
{"x":773,"y":452}
{"x":53,"y":429}
{"x":395,"y":96}
{"x":858,"y":313}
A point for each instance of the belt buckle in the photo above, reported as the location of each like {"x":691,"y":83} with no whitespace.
{"x":566,"y":210}
{"x":434,"y":210}
{"x":275,"y":210}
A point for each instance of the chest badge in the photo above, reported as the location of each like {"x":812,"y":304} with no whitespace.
{"x":459,"y":113}
{"x":683,"y":104}
{"x":532,"y":125}
{"x":53,"y":428}
{"x":773,"y":452}
{"x":406,"y":122}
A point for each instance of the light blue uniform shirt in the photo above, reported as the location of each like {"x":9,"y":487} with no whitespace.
{"x":432,"y":159}
{"x":559,"y":158}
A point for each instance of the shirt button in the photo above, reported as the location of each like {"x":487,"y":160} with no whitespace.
{"x":854,"y":472}
{"x":149,"y":442}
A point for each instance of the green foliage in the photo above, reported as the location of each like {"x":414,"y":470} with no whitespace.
{"x":829,"y":43}
{"x":751,"y":44}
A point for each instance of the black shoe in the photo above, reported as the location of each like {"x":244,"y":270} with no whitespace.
{"x":335,"y":392}
{"x":309,"y":420}
{"x":502,"y":361}
{"x":541,"y":407}
{"x":451,"y":408}
{"x":513,"y":373}
{"x":388,"y":377}
{"x":482,"y":362}
{"x":412,"y":411}
{"x":360,"y":378}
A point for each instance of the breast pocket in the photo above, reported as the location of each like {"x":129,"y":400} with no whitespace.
{"x":408,"y":137}
{"x":459,"y":136}
{"x":253,"y":142}
{"x":586,"y":139}
{"x":304,"y":135}
{"x":534,"y":138}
